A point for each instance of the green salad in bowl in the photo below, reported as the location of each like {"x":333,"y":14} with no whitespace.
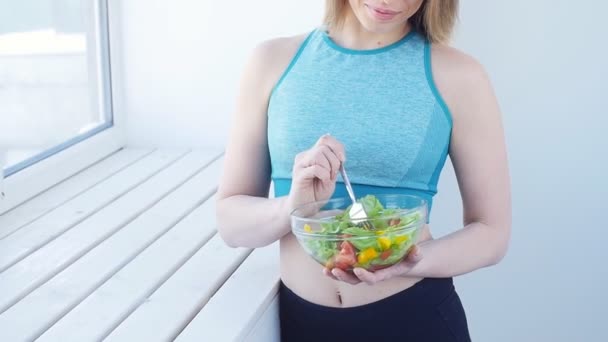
{"x":327,"y":233}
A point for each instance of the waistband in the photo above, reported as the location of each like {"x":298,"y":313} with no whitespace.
{"x":425,"y":295}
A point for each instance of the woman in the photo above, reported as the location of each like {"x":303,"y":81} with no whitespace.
{"x":396,"y":101}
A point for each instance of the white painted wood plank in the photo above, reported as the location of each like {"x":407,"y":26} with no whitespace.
{"x":33,"y":236}
{"x":267,"y":329}
{"x":28,"y":274}
{"x":44,"y":306}
{"x":106,"y":309}
{"x":68,"y":189}
{"x":103,"y":310}
{"x":33,"y":180}
{"x":233,"y":311}
{"x":178,"y":300}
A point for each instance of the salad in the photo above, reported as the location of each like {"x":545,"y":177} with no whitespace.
{"x":346,"y":244}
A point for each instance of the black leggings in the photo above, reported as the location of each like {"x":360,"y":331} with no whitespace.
{"x":428,"y":311}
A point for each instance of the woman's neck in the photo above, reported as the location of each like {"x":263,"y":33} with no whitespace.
{"x":353,"y":35}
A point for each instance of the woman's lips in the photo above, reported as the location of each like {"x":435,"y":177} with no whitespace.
{"x":381,"y":14}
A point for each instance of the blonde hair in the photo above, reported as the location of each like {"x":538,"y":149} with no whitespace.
{"x":435,"y":19}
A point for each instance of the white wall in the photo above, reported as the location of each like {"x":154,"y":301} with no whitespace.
{"x":547,"y":59}
{"x":183,"y":60}
{"x":549,"y":70}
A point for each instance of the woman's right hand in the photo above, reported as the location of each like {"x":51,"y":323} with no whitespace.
{"x":315,"y":172}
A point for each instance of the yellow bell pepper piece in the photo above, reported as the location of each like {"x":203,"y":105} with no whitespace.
{"x":401,"y":239}
{"x":380,"y":232}
{"x":367,"y":255}
{"x":384,"y":242}
{"x":307,"y":228}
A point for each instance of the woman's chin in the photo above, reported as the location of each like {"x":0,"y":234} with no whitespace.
{"x":379,"y":28}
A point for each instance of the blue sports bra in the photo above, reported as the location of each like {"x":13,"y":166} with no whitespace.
{"x":382,"y":104}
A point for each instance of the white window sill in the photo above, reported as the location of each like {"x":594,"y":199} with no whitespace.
{"x":127,"y":249}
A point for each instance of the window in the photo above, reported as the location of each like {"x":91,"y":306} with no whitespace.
{"x":56,"y":115}
{"x":54,"y":78}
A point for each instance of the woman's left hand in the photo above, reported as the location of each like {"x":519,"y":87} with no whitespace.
{"x":360,"y":275}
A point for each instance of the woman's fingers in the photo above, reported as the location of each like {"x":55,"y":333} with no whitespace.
{"x":332,"y":159}
{"x":414,"y":255}
{"x":345,"y":276}
{"x":327,"y":153}
{"x":328,"y":273}
{"x":334,"y":145}
{"x":315,"y":171}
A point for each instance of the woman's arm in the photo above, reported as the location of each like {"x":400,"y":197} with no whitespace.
{"x":478,"y":154}
{"x":246,"y":217}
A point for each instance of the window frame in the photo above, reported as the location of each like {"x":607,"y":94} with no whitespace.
{"x":25,"y":180}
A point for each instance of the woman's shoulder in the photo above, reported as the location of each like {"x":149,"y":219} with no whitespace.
{"x":454,"y":66}
{"x":269,"y":58}
{"x":281,"y":46}
{"x":457,"y":75}
{"x":278,"y":52}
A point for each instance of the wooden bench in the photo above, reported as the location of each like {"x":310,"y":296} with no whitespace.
{"x":127,"y":250}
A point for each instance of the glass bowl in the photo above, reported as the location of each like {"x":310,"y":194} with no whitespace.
{"x":327,"y":233}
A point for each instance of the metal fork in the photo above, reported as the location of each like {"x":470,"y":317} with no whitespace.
{"x":357,"y":211}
